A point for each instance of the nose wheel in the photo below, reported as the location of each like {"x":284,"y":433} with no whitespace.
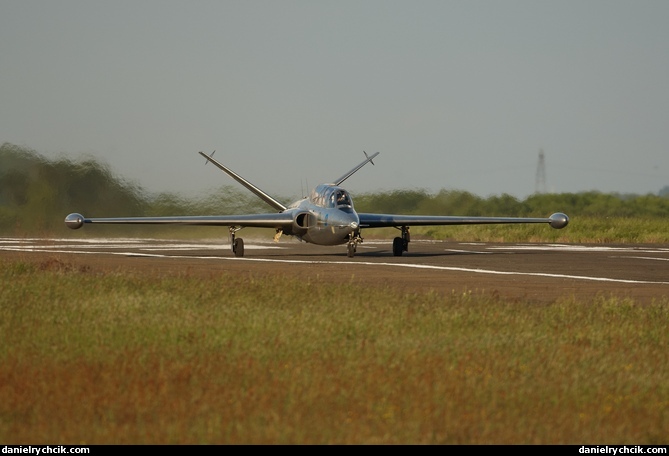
{"x":353,"y":242}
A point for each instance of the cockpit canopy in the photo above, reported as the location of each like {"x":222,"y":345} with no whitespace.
{"x":331,"y":196}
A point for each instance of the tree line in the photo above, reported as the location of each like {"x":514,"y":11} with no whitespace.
{"x":36,"y":194}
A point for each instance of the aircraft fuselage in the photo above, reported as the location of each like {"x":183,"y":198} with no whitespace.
{"x":326,"y":217}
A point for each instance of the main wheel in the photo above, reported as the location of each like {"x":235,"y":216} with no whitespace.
{"x":238,"y":247}
{"x":398,"y":246}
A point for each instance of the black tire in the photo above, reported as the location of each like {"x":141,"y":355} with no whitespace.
{"x":351,"y":250}
{"x":238,"y":247}
{"x":398,"y":246}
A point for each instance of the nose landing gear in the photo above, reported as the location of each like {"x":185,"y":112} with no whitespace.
{"x":353,"y":241}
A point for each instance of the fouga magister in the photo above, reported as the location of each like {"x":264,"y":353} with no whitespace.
{"x":326,"y":217}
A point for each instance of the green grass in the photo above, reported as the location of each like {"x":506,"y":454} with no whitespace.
{"x":89,"y":357}
{"x":581,"y":229}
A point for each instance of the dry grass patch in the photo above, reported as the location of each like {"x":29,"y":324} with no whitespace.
{"x":91,"y":357}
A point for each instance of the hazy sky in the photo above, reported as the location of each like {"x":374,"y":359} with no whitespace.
{"x":454,"y":94}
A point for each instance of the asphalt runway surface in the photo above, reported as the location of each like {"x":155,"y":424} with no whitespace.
{"x":540,"y":273}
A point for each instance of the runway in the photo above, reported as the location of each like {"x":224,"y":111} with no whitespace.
{"x":538,"y":272}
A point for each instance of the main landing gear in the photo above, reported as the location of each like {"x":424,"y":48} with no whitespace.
{"x":237,"y":244}
{"x":401,"y":244}
{"x":353,"y":241}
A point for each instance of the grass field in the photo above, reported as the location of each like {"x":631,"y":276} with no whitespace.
{"x":128,"y":358}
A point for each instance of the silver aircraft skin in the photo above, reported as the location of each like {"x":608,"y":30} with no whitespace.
{"x":325,"y":217}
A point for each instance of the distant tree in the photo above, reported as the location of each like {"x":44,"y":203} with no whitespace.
{"x":36,"y":193}
{"x":664,"y":192}
{"x":395,"y":202}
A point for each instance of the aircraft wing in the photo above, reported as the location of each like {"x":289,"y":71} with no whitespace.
{"x":271,"y":220}
{"x":557,"y":220}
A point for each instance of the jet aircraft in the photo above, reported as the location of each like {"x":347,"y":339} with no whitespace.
{"x":325,"y":217}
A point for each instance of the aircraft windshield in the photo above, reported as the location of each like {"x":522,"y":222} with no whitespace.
{"x":331,"y":197}
{"x":343,"y":199}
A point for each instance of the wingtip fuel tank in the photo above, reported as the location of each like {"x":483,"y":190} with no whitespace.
{"x":74,"y":221}
{"x":558,"y":220}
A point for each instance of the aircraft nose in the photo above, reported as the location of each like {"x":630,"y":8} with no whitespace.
{"x":347,"y":222}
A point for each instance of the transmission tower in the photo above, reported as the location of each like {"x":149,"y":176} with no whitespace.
{"x":540,"y":183}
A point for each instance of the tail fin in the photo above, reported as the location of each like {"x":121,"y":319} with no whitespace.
{"x":208,"y":157}
{"x":351,"y":172}
{"x":259,"y":193}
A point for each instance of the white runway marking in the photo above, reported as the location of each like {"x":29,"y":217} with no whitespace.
{"x":466,"y":251}
{"x":53,"y":246}
{"x":578,"y":248}
{"x":56,"y":245}
{"x":648,"y":258}
{"x":452,"y":268}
